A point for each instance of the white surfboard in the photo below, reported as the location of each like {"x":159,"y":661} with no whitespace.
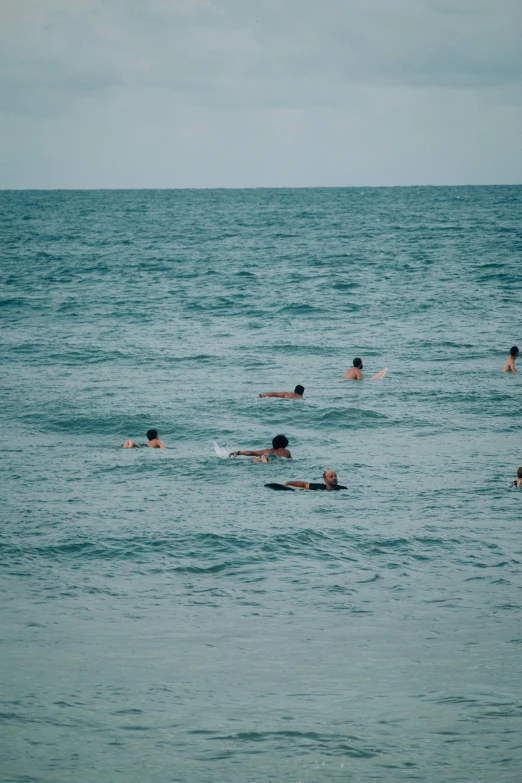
{"x":380,"y":375}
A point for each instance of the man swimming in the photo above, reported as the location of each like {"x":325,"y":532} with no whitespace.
{"x":330,"y":482}
{"x":279,"y":444}
{"x":355,"y":372}
{"x":153,"y":442}
{"x":297,"y":394}
{"x":518,"y":481}
{"x":510,"y":363}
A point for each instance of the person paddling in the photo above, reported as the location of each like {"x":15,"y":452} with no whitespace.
{"x":297,"y":394}
{"x":279,"y":444}
{"x":153,"y":442}
{"x":330,"y":483}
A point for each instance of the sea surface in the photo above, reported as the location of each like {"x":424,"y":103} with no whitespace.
{"x":164,"y":616}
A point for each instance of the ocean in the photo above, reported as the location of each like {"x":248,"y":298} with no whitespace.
{"x":165,"y":617}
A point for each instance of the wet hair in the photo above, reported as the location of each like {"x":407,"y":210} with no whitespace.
{"x":513,"y":351}
{"x":280,"y":442}
{"x":519,"y":473}
{"x":357,"y":362}
{"x":299,"y":389}
{"x":152,"y":434}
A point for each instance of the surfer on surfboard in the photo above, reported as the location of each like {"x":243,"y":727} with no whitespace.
{"x":297,"y":394}
{"x":153,"y":442}
{"x":330,"y":483}
{"x":355,"y":372}
{"x":279,"y":444}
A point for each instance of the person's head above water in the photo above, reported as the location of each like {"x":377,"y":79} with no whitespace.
{"x":152,"y":434}
{"x":330,"y":477}
{"x":358,"y":363}
{"x":514,"y":351}
{"x":299,"y":389}
{"x":280,"y":442}
{"x":519,"y":473}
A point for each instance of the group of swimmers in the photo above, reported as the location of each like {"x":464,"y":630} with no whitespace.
{"x":280,"y":442}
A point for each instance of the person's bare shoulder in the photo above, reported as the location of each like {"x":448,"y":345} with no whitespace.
{"x":156,"y":444}
{"x":509,"y":366}
{"x":353,"y":374}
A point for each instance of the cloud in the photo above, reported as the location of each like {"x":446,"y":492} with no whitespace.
{"x":231,"y":92}
{"x":233,"y":53}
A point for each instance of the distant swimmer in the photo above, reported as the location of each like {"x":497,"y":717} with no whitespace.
{"x":518,"y":481}
{"x":510,"y":363}
{"x":279,"y":444}
{"x":297,"y":394}
{"x":355,"y":372}
{"x":330,"y":482}
{"x":153,"y":442}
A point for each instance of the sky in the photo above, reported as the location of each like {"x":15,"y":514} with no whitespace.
{"x":259,"y":93}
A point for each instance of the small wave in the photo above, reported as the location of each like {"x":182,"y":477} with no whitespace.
{"x":116,"y":425}
{"x":296,"y":308}
{"x":199,"y":358}
{"x":353,"y":418}
{"x":328,"y":744}
{"x":14,"y":301}
{"x":345,"y":286}
{"x":291,"y":348}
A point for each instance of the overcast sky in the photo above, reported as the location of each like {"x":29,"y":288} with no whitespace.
{"x":247,"y":93}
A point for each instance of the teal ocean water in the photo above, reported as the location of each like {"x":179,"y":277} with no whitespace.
{"x":164,"y":616}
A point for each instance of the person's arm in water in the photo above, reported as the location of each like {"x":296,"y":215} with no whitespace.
{"x":251,"y":453}
{"x":283,"y":453}
{"x":129,"y":444}
{"x":274,"y":394}
{"x":299,"y":484}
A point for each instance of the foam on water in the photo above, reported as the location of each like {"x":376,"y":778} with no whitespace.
{"x":220,"y":451}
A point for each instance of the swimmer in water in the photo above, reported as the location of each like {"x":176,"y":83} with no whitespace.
{"x":518,"y":481}
{"x":153,"y":442}
{"x":355,"y":372}
{"x":297,"y":394}
{"x":330,"y":482}
{"x":279,"y":444}
{"x":510,"y":363}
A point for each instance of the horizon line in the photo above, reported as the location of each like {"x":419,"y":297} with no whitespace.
{"x":263,"y":187}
